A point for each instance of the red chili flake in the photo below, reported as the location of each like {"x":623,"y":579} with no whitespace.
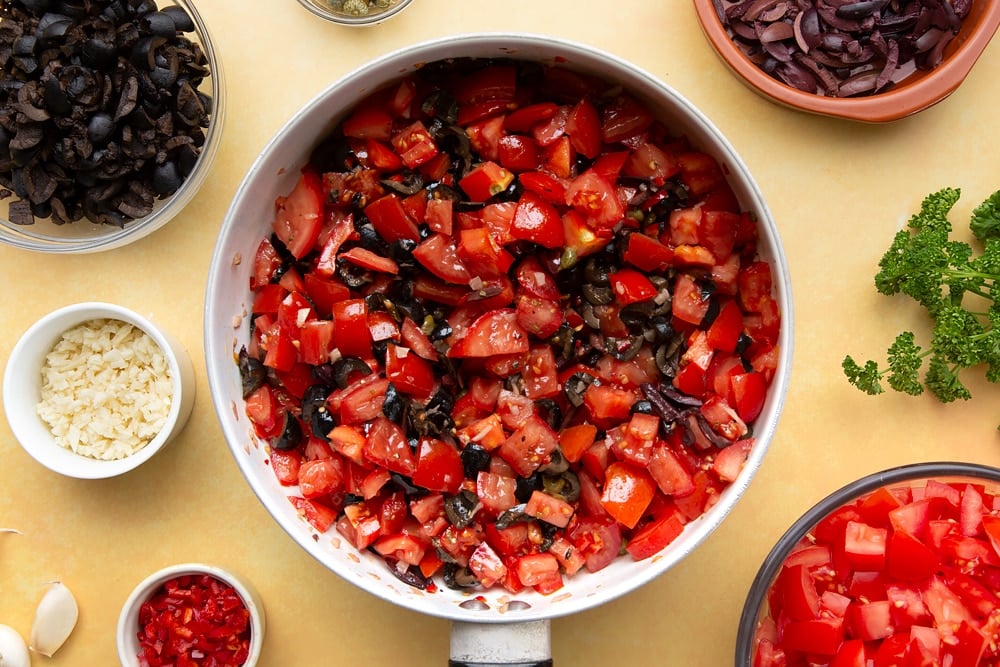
{"x":194,"y":621}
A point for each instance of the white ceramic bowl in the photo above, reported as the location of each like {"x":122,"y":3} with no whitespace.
{"x":22,"y":382}
{"x":84,"y":236}
{"x":228,"y":303}
{"x":128,"y":620}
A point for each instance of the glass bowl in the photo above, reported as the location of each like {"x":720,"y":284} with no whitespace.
{"x":916,"y":92}
{"x":338,"y":10}
{"x":22,"y":388}
{"x":901,"y":564}
{"x":84,"y":236}
{"x":128,"y":620}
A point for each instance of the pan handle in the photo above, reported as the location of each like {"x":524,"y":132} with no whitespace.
{"x":524,"y":644}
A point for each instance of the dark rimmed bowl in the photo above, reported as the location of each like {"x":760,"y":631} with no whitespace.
{"x":756,"y":615}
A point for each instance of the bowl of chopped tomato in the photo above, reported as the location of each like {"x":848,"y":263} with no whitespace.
{"x":499,"y":328}
{"x":191,"y":614}
{"x":900,"y":567}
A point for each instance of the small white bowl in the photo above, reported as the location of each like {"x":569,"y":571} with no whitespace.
{"x":128,"y":620}
{"x":22,"y":383}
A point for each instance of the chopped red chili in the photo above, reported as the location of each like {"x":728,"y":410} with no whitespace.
{"x":194,"y":620}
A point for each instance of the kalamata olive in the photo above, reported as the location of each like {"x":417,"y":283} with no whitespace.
{"x":409,"y":184}
{"x":550,"y":411}
{"x":291,"y":435}
{"x":410,"y":575}
{"x":441,"y":331}
{"x":442,"y":106}
{"x":475,"y":459}
{"x":405,"y":484}
{"x":597,"y":295}
{"x":181,"y":19}
{"x":52,"y":27}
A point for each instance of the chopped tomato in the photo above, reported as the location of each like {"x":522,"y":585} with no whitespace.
{"x":299,"y":216}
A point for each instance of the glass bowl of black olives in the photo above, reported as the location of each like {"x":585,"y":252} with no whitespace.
{"x":355,"y":12}
{"x":111,"y":115}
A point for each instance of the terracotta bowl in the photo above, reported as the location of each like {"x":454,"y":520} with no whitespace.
{"x":917,"y":92}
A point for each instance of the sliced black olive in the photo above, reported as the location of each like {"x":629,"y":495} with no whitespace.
{"x":576,"y":385}
{"x":598,"y":295}
{"x":379,"y":350}
{"x":180,"y":17}
{"x":291,"y":436}
{"x":565,"y":486}
{"x":596,"y":272}
{"x":393,"y":406}
{"x":624,"y":349}
{"x":457,"y":576}
{"x":353,"y":499}
{"x":441,"y":331}
{"x":442,"y":106}
{"x":515,"y":514}
{"x":557,"y":463}
{"x":475,"y":459}
{"x":405,"y":485}
{"x":334,"y":155}
{"x":316,"y":412}
{"x":710,"y":314}
{"x":526,"y":486}
{"x":742,"y":343}
{"x":461,"y":508}
{"x":345,"y":367}
{"x":550,"y":410}
{"x":253,"y":374}
{"x":352,"y":275}
{"x":409,"y":184}
{"x":659,"y":405}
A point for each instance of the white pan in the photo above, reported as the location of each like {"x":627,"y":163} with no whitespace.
{"x":505,"y":630}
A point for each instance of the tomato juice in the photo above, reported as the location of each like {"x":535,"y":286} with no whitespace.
{"x":507,"y":327}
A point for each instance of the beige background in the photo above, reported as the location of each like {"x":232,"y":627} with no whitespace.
{"x":838,"y":191}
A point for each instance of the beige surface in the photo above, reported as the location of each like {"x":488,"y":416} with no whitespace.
{"x":838,"y":191}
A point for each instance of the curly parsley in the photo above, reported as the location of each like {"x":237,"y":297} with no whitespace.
{"x":959,"y":290}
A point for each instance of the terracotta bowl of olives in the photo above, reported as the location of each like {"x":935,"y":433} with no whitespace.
{"x":114,"y":126}
{"x":870,"y":61}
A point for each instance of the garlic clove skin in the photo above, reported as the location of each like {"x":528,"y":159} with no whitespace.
{"x":10,"y":530}
{"x":55,"y":619}
{"x":13,"y":650}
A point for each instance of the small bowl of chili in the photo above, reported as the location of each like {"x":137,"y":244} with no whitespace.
{"x":870,"y":61}
{"x":192,"y":612}
{"x":898,"y":567}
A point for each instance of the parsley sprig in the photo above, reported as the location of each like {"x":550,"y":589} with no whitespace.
{"x":960,"y":292}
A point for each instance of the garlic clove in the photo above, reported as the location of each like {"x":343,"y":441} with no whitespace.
{"x":13,"y":650}
{"x":55,"y":619}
